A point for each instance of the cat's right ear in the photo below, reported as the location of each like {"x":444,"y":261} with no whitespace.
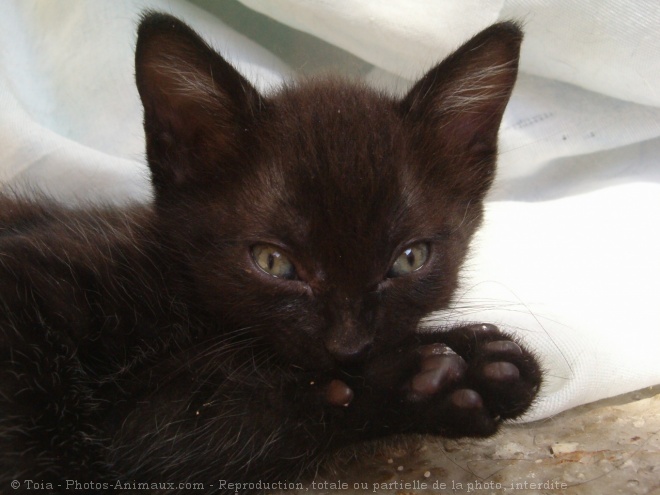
{"x":197,"y":107}
{"x":455,"y":110}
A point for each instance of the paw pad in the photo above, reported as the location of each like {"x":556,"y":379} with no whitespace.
{"x":484,"y":329}
{"x":501,"y":371}
{"x":440,"y":366}
{"x":503,"y":346}
{"x":466,"y":399}
{"x":338,"y":394}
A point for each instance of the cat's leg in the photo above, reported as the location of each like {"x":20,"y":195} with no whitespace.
{"x":47,"y":411}
{"x":234,"y":421}
{"x":461,"y":382}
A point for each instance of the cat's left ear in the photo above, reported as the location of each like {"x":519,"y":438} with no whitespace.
{"x":455,"y":110}
{"x":198,"y":110}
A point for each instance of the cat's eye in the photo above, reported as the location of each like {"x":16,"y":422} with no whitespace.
{"x":412,"y":258}
{"x":271,"y":260}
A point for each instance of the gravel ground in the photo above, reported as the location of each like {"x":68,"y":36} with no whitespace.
{"x":608,"y":447}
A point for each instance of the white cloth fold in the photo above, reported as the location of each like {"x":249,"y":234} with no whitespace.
{"x":607,"y":46}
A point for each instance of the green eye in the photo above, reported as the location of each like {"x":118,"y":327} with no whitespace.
{"x":273,"y":262}
{"x":412,"y":258}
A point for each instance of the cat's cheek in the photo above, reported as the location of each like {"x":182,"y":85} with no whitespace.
{"x":401,"y":307}
{"x":288,"y":310}
{"x":292,"y":334}
{"x":419,"y":293}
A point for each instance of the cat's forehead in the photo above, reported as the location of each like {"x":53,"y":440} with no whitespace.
{"x":337,"y":131}
{"x":333,"y":162}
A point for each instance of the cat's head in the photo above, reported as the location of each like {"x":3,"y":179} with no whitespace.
{"x":327,"y":217}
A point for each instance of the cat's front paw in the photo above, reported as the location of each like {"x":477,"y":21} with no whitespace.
{"x":466,"y":385}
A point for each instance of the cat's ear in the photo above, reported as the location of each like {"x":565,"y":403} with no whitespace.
{"x":456,"y":109}
{"x":197,"y":106}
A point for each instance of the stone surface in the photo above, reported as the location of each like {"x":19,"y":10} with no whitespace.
{"x":609,"y":447}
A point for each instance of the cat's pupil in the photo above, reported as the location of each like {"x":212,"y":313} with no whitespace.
{"x":270,"y":260}
{"x":410,"y":259}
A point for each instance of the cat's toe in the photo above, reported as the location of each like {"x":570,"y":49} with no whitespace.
{"x":507,"y":377}
{"x":439,"y":368}
{"x":501,"y":371}
{"x":338,"y":394}
{"x":467,"y":413}
{"x":461,"y":412}
{"x":483,"y":330}
{"x":465,"y":398}
{"x":503,"y":346}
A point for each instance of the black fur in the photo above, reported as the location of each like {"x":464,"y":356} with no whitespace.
{"x":146,"y":344}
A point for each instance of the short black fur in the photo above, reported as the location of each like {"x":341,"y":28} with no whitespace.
{"x":148,"y":343}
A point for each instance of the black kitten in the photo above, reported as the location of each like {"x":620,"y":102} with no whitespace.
{"x":264,"y":311}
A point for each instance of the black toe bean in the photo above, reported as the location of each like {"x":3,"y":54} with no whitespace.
{"x":338,"y":394}
{"x":437,"y":372}
{"x":433,"y":362}
{"x":503,"y":346}
{"x":501,"y":371}
{"x":466,"y":399}
{"x":484,"y":328}
{"x":435,"y":350}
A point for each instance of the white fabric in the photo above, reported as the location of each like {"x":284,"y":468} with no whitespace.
{"x":70,"y":116}
{"x":568,"y":257}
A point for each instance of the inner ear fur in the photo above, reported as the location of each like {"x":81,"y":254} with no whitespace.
{"x":196,"y":105}
{"x":456,"y":108}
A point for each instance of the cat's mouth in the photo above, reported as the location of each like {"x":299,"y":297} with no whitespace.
{"x":323,"y":368}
